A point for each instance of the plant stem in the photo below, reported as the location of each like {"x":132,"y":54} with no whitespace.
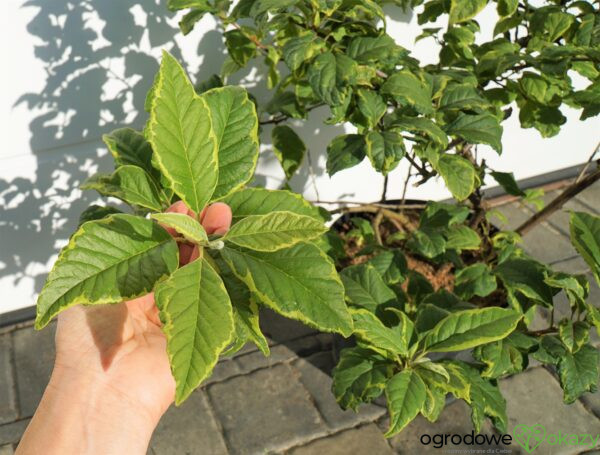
{"x":385,"y":188}
{"x":570,"y":192}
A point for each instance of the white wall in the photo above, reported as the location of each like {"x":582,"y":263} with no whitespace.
{"x":74,"y":69}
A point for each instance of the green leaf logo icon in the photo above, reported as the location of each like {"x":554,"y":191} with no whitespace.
{"x":529,"y":437}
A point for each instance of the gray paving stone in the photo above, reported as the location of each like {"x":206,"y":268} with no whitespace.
{"x":573,"y":265}
{"x":190,"y":429}
{"x":267,"y":410}
{"x":7,"y":449}
{"x":280,"y":329}
{"x":366,"y":440}
{"x":515,"y":214}
{"x":11,"y":432}
{"x":591,"y":197}
{"x":315,"y":375}
{"x":223,"y":370}
{"x":592,"y":402}
{"x":256,"y":360}
{"x":8,"y":400}
{"x":34,"y":357}
{"x":535,"y":398}
{"x":455,"y":419}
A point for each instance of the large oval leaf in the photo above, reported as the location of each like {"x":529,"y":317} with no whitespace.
{"x":585,"y":236}
{"x":198,"y":322}
{"x":235,"y":124}
{"x":371,"y":330}
{"x":298,"y":282}
{"x":274,"y":231}
{"x":260,"y":201}
{"x":469,"y":328}
{"x":405,"y":394}
{"x":107,"y":261}
{"x":180,"y":131}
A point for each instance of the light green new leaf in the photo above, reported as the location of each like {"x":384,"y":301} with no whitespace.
{"x":463,"y":10}
{"x":469,"y":328}
{"x":365,"y":287}
{"x":131,"y":184}
{"x":370,"y":329}
{"x":406,"y":394}
{"x":187,"y":226}
{"x":359,"y":377}
{"x":478,"y":129}
{"x":235,"y":125}
{"x":107,"y":261}
{"x":345,"y":151}
{"x":298,"y":282}
{"x":578,"y":372}
{"x":288,"y":148}
{"x":407,"y":88}
{"x":182,"y":136}
{"x":585,"y":236}
{"x":197,"y":320}
{"x":458,"y":174}
{"x":274,"y":231}
{"x":128,"y":146}
{"x":260,"y":201}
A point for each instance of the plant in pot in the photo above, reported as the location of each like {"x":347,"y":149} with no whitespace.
{"x":440,"y":278}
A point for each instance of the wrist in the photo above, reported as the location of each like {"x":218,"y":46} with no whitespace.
{"x":82,"y":413}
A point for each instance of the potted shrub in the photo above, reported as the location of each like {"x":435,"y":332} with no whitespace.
{"x":418,"y":280}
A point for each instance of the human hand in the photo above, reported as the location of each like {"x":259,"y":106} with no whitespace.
{"x":112,"y":359}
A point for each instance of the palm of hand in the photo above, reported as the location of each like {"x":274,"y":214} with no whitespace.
{"x":122,"y":344}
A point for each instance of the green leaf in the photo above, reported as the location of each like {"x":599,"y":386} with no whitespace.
{"x":370,"y":329}
{"x":299,"y":49}
{"x":185,"y":225}
{"x":476,"y":279}
{"x":128,"y":146}
{"x":463,"y":10}
{"x":322,"y":78}
{"x":585,"y":236}
{"x":239,"y":47}
{"x":461,"y":96}
{"x":131,"y":184}
{"x":391,"y":265}
{"x":359,"y":377}
{"x":478,"y":129}
{"x":458,"y":174}
{"x":260,"y":201}
{"x":423,"y":126}
{"x":107,"y":261}
{"x":345,"y":151}
{"x":235,"y":125}
{"x":427,"y":243}
{"x":435,"y":400}
{"x":197,"y":320}
{"x":96,"y":212}
{"x":380,"y":49}
{"x":187,"y":22}
{"x":298,"y":282}
{"x":175,"y":5}
{"x":406,"y":394}
{"x":507,"y":181}
{"x":407,"y":88}
{"x":288,"y":148}
{"x":262,"y":6}
{"x":526,"y":277}
{"x":365,"y":287}
{"x":507,"y":7}
{"x":274,"y":231}
{"x":182,"y":136}
{"x":462,"y":237}
{"x":245,"y":316}
{"x":469,"y":328}
{"x":371,"y":105}
{"x":578,"y":372}
{"x":500,"y":357}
